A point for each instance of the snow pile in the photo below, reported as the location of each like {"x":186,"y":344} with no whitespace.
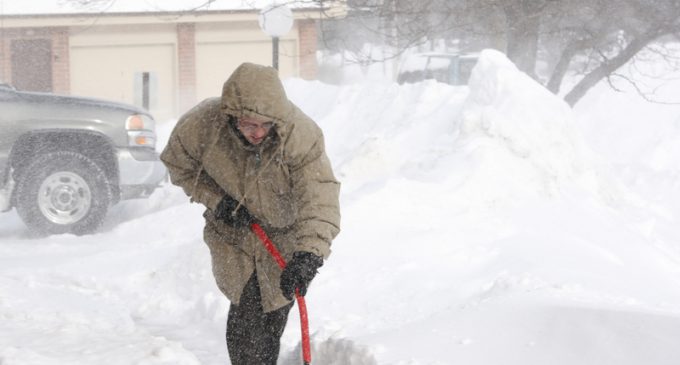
{"x":376,"y":131}
{"x":478,"y":227}
{"x":500,"y":215}
{"x":522,"y":116}
{"x":640,"y":139}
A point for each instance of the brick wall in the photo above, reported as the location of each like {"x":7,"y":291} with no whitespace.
{"x":186,"y":57}
{"x":307,"y":34}
{"x":61,"y":79}
{"x":5,"y":59}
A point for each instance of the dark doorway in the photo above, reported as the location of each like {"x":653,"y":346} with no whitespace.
{"x":32,"y":64}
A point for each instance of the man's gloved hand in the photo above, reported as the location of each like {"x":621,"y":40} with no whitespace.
{"x":299,"y":272}
{"x":225,"y":212}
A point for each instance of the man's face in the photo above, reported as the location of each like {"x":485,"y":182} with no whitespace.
{"x":254,"y":129}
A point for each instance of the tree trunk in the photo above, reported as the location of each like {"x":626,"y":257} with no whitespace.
{"x":522,"y":35}
{"x":562,"y":66}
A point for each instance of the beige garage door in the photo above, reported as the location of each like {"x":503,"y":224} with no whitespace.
{"x":215,"y":61}
{"x":135,"y":74}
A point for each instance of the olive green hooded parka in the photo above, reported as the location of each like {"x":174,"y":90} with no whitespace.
{"x":285,"y":182}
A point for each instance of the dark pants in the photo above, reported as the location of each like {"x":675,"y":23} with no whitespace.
{"x":254,"y":337}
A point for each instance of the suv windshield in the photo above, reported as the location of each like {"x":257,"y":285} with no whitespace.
{"x":452,"y":69}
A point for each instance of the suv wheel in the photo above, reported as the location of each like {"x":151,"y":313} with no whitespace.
{"x":63,"y":192}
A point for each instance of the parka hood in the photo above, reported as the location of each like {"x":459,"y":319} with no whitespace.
{"x":255,"y":90}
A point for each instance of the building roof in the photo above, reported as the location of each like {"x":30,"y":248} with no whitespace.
{"x":99,"y":7}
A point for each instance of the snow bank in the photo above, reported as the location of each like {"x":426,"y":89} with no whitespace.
{"x":497,"y":200}
{"x":377,"y":131}
{"x":640,"y":140}
{"x":509,"y":116}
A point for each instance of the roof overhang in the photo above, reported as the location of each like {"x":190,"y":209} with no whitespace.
{"x":331,"y":9}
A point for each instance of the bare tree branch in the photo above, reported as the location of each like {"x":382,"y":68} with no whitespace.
{"x":637,"y":88}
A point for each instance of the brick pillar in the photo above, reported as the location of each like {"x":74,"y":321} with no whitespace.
{"x":8,"y":34}
{"x":186,"y":56}
{"x":61,"y":76}
{"x":307,"y":36}
{"x":5,"y":59}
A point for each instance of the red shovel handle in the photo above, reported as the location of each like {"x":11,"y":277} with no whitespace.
{"x":302,"y":306}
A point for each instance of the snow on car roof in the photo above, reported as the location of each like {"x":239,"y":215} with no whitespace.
{"x":64,"y":7}
{"x":438,"y":60}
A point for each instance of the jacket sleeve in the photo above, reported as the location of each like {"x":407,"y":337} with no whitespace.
{"x":182,"y":157}
{"x":316,"y":192}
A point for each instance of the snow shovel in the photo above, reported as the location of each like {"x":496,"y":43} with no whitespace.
{"x":302,"y":306}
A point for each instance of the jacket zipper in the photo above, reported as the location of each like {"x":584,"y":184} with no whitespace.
{"x":258,"y":159}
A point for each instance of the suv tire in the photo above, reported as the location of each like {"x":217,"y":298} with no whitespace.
{"x":63,"y":192}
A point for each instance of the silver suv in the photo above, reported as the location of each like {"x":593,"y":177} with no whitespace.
{"x":64,"y":160}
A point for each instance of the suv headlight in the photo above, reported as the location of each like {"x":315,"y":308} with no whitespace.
{"x":141,"y":131}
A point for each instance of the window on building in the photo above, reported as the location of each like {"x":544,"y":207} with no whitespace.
{"x":146,"y":90}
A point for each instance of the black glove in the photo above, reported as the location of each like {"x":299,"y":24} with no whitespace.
{"x":299,"y":272}
{"x":225,"y":211}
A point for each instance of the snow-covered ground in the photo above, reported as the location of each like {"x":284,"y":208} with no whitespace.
{"x":481,"y":225}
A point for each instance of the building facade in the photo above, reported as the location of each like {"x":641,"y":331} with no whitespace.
{"x":165,"y":62}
